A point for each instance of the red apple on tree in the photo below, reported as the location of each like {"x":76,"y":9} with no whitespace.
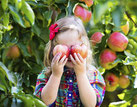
{"x":81,"y":49}
{"x":82,"y":13}
{"x":88,"y":2}
{"x":61,"y":49}
{"x":111,"y":81}
{"x":96,"y":38}
{"x":117,"y":42}
{"x":124,"y":81}
{"x":13,"y":52}
{"x":106,"y":58}
{"x":110,"y":88}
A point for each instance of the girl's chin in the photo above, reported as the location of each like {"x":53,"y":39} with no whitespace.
{"x":69,"y":64}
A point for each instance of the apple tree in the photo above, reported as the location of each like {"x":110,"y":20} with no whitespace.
{"x":111,"y":26}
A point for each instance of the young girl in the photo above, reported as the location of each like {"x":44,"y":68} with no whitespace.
{"x":72,"y":81}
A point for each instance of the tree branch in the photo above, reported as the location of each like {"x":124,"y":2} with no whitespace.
{"x":129,"y":16}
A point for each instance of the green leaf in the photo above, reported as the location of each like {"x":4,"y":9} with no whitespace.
{"x":37,"y":101}
{"x":37,"y":5}
{"x":130,"y":61}
{"x":119,"y":104}
{"x":24,"y":49}
{"x":3,"y":88}
{"x":99,"y":11}
{"x":18,"y":4}
{"x":117,"y":16}
{"x":60,"y":1}
{"x":135,"y":105}
{"x":118,"y":60}
{"x":134,"y":45}
{"x":10,"y":75}
{"x":4,"y":82}
{"x":36,"y":68}
{"x":28,"y":102}
{"x":129,"y":54}
{"x":69,"y":8}
{"x":4,"y":4}
{"x":28,"y":12}
{"x":17,"y":103}
{"x":6,"y":19}
{"x":128,"y":94}
{"x":36,"y":29}
{"x":27,"y":63}
{"x":1,"y":36}
{"x":49,"y":2}
{"x":121,"y":96}
{"x":47,"y":15}
{"x":17,"y":16}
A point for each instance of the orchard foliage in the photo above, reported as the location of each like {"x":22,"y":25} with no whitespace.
{"x":24,"y":32}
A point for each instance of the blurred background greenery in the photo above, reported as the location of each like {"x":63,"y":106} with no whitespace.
{"x":24,"y":33}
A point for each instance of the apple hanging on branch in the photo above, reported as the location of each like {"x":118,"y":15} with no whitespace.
{"x":13,"y":52}
{"x":111,"y":81}
{"x":106,"y":59}
{"x":82,"y":12}
{"x":124,"y":81}
{"x":96,"y":38}
{"x":117,"y":42}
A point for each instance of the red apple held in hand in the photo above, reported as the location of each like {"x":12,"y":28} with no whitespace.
{"x":124,"y":81}
{"x":61,"y":49}
{"x":106,"y":58}
{"x":82,"y":13}
{"x":81,"y":49}
{"x":111,"y":81}
{"x":96,"y":38}
{"x":117,"y":42}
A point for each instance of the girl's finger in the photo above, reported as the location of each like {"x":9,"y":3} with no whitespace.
{"x":62,"y":59}
{"x":76,"y":58}
{"x":53,"y":60}
{"x":72,"y":59}
{"x":80,"y":58}
{"x":65,"y":61}
{"x":58,"y":57}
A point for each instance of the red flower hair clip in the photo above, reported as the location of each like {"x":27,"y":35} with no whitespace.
{"x":53,"y":29}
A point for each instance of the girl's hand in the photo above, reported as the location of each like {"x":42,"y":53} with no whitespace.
{"x":79,"y":64}
{"x":57,"y":64}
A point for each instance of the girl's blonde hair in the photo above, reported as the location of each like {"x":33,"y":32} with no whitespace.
{"x":67,"y":23}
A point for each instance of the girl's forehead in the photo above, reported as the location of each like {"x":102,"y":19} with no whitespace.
{"x":68,"y":37}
